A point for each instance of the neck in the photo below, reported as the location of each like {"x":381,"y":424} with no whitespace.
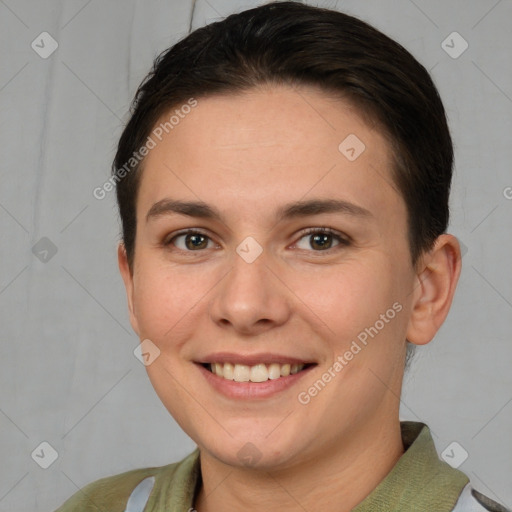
{"x":336,"y":480}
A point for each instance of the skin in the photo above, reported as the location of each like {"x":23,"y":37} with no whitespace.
{"x":247,"y":155}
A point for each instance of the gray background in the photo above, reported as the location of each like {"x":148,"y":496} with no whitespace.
{"x":68,"y":374}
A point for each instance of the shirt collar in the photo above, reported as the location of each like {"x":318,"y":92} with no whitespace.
{"x":419,"y":479}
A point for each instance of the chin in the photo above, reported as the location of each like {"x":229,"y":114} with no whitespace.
{"x":254,"y":450}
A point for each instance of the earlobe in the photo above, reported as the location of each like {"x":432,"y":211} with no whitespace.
{"x":434,"y":289}
{"x":127,"y":276}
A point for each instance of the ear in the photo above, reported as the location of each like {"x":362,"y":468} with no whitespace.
{"x":436,"y":280}
{"x":127,"y":276}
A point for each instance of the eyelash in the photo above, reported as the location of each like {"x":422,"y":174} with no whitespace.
{"x":343,"y":240}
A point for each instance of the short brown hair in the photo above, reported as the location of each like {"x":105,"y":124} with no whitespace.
{"x":294,"y":44}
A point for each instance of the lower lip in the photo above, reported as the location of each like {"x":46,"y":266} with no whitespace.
{"x":251,"y":390}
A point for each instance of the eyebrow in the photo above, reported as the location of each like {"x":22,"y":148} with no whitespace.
{"x":289,"y":211}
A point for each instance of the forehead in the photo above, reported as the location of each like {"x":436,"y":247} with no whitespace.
{"x":264,"y":147}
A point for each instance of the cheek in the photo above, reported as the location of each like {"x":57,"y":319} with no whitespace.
{"x":165,"y":300}
{"x":350,"y":297}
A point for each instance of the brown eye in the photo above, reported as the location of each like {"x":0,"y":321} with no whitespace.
{"x":190,"y":241}
{"x":321,"y":239}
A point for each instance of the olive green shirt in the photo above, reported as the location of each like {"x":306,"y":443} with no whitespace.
{"x":419,"y":481}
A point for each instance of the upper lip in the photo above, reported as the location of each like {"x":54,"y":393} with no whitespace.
{"x":252,"y":359}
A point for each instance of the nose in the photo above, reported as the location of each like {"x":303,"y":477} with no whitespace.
{"x":251,"y":299}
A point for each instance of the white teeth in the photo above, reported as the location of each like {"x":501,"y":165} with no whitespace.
{"x":219,"y":369}
{"x":285,"y":370}
{"x":227,"y":371}
{"x":257,"y":373}
{"x":274,"y":371}
{"x":241,"y":373}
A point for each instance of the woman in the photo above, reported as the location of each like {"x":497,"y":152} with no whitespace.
{"x":283,"y":186}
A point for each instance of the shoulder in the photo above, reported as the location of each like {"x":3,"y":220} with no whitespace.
{"x":471,"y":500}
{"x":112,"y":493}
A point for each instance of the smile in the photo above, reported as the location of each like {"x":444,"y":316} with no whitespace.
{"x":260,"y":372}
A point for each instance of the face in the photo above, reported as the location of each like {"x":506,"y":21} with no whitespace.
{"x":293,"y":257}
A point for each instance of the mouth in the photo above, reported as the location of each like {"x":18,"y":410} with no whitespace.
{"x":257,"y":373}
{"x":253,"y":376}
